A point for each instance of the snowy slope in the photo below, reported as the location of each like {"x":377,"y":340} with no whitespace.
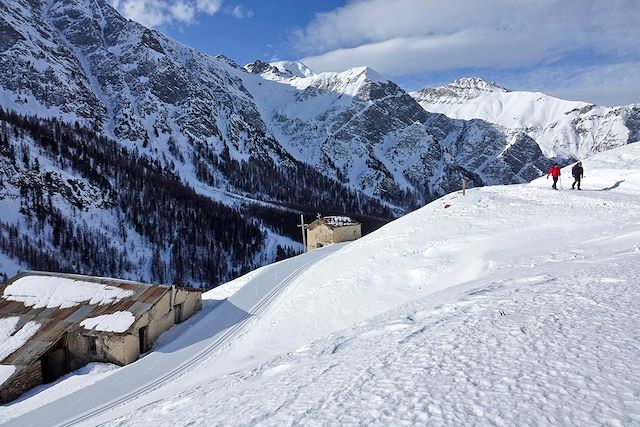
{"x":509,"y":305}
{"x":561,"y":128}
{"x":435,"y":248}
{"x":207,"y":332}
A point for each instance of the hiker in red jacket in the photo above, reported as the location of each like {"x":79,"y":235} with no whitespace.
{"x":555,"y":174}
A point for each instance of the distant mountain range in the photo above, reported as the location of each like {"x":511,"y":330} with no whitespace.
{"x":263,"y":140}
{"x":565,"y":129}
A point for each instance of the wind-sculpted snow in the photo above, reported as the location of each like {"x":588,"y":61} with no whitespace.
{"x":512,"y":351}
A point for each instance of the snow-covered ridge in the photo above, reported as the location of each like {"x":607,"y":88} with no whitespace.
{"x":459,"y":91}
{"x":478,"y":83}
{"x":349,"y":82}
{"x":298,"y":75}
{"x":364,"y":129}
{"x":295,"y":68}
{"x":428,"y":250}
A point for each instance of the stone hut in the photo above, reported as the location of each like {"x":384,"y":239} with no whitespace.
{"x":332,"y":229}
{"x":52,"y":324}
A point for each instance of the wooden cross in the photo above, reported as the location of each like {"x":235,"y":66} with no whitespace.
{"x":303,"y":227}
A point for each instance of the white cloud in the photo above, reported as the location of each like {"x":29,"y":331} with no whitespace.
{"x":183,"y":12}
{"x":611,"y":85}
{"x":209,"y":7}
{"x":408,"y":36}
{"x":154,"y":13}
{"x":239,"y":12}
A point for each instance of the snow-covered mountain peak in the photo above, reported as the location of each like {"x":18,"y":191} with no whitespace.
{"x":280,"y":70}
{"x":227,"y":60}
{"x":476,"y":83}
{"x":299,"y":75}
{"x":366,"y":73}
{"x":460,"y":90}
{"x":295,"y":68}
{"x":351,"y":82}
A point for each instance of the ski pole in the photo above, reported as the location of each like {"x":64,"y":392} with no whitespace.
{"x":561,"y":182}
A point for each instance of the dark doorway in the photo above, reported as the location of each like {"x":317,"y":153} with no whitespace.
{"x":93,"y":346}
{"x":177,"y":313}
{"x":142,"y":337}
{"x":55,"y":363}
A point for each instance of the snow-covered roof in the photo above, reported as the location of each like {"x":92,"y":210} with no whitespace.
{"x":13,"y":334}
{"x":37,"y":308}
{"x":120,"y":321}
{"x":5,"y":372}
{"x":339,"y":221}
{"x":61,"y":292}
{"x":334,"y":222}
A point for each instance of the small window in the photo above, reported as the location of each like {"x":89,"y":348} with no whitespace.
{"x":142,"y":338}
{"x":177,"y":313}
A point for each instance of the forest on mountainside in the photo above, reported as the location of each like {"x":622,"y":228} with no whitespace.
{"x":84,"y":203}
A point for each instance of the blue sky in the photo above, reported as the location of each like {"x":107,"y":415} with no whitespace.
{"x":575,"y":49}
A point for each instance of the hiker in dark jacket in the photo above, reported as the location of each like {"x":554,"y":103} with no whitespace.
{"x":578,"y":174}
{"x":555,"y":174}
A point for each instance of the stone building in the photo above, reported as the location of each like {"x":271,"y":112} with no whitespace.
{"x":332,"y":229}
{"x":52,"y":324}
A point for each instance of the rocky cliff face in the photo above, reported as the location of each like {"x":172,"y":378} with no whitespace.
{"x":363,"y":129}
{"x":186,"y":114}
{"x":80,"y":60}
